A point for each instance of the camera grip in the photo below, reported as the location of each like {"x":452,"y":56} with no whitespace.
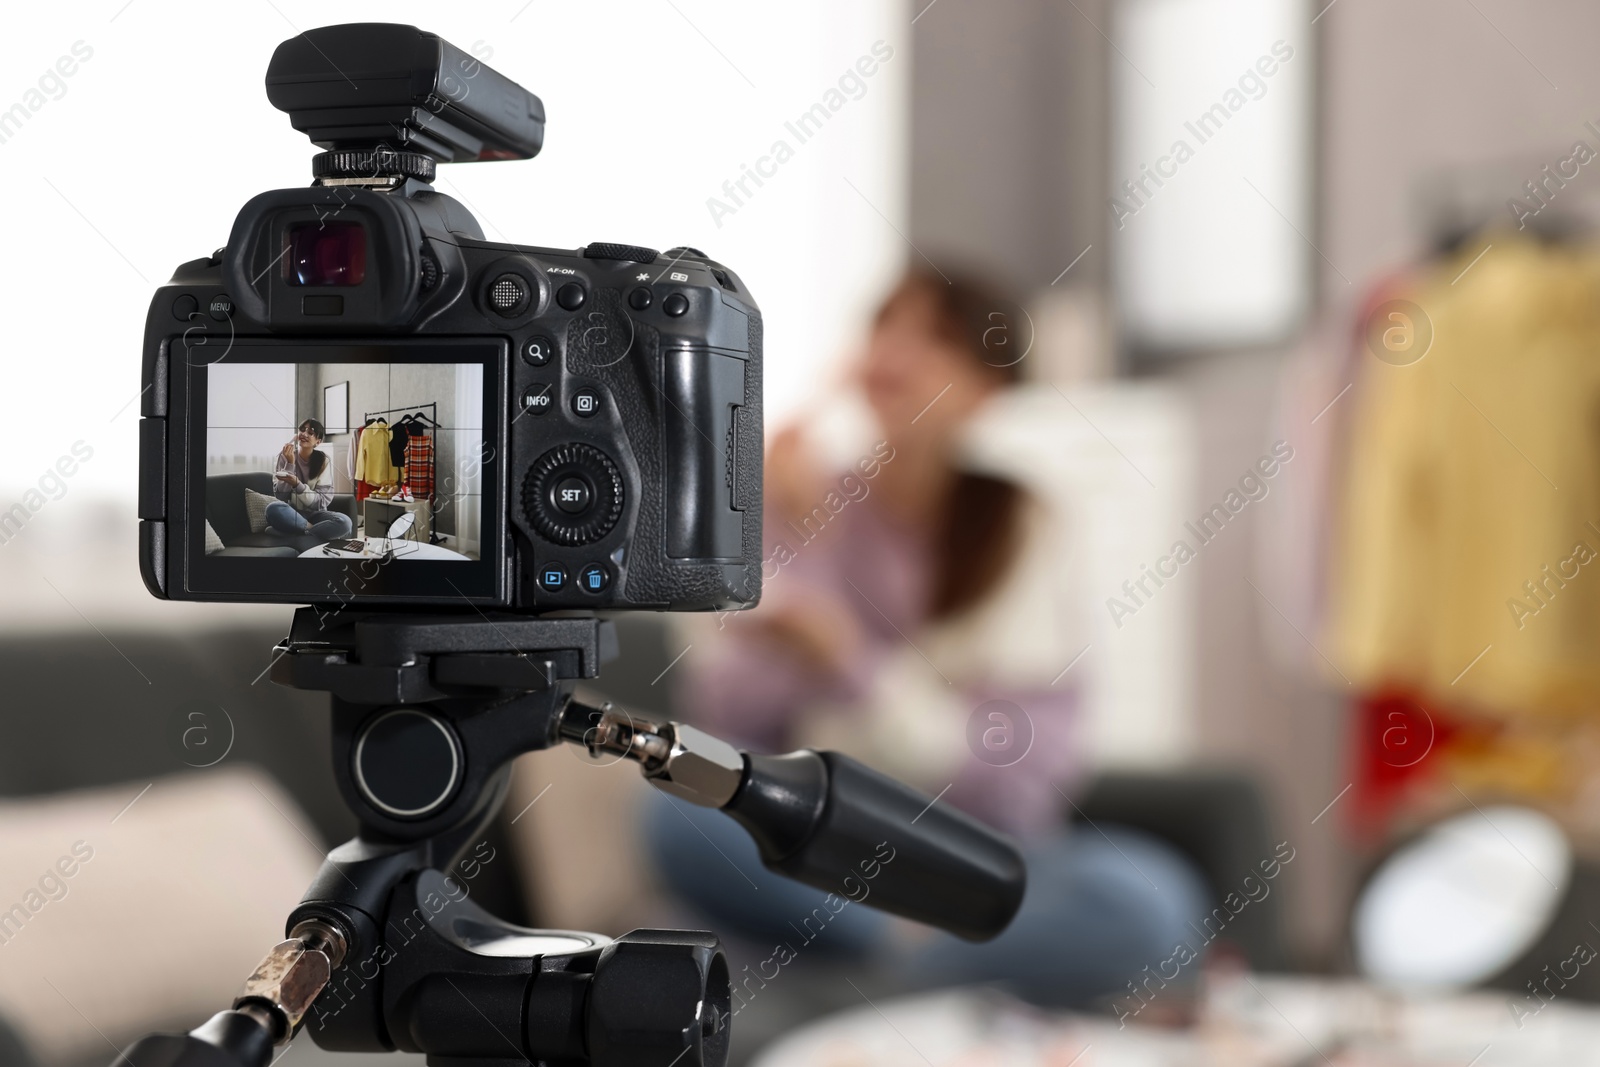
{"x":832,"y":823}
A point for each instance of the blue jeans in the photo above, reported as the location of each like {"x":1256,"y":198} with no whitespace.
{"x":323,"y":525}
{"x":1102,"y":904}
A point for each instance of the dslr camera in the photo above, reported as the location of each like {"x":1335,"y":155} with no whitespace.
{"x":360,"y":401}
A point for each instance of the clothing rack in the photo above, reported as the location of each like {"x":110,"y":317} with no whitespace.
{"x":432,"y":405}
{"x":433,"y":418}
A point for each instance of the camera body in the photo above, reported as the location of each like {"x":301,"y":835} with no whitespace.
{"x":566,"y":429}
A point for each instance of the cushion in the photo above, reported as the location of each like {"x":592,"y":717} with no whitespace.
{"x":255,"y":506}
{"x":213,"y":542}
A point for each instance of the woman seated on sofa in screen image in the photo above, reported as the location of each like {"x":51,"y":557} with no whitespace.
{"x":303,"y":483}
{"x":880,"y":635}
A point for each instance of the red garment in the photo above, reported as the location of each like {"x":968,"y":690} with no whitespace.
{"x":419,"y":464}
{"x":1398,"y":741}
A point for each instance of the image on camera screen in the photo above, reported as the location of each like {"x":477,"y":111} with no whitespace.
{"x":344,"y":461}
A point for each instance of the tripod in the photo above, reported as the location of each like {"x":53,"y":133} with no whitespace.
{"x":386,"y":951}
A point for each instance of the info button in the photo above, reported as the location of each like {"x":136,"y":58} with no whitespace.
{"x":537,"y":399}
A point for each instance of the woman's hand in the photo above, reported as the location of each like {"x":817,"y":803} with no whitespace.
{"x":819,"y":627}
{"x":288,"y":451}
{"x":792,"y":482}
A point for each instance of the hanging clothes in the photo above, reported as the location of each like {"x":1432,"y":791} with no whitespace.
{"x":419,"y":462}
{"x":363,"y":488}
{"x":1467,"y":565}
{"x":373,"y":462}
{"x":398,"y":433}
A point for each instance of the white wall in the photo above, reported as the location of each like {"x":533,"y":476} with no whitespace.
{"x":140,"y":159}
{"x":250,"y":414}
{"x":158,"y":138}
{"x":1211,"y":170}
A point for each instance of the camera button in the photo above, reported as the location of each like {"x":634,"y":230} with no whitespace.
{"x":675,"y":305}
{"x":221,"y":307}
{"x":639,"y":299}
{"x":571,"y":296}
{"x":572,"y":495}
{"x":185,"y":308}
{"x":585,"y":403}
{"x":538,"y":350}
{"x":509,"y":294}
{"x":536,"y":399}
{"x":552,"y":576}
{"x":594,"y":578}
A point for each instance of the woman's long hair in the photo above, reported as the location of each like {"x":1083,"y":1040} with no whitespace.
{"x":319,"y":459}
{"x":981,"y":521}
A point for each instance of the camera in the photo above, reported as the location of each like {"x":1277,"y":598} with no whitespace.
{"x":361,"y":401}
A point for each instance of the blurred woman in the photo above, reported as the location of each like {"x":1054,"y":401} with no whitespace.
{"x":885,"y":589}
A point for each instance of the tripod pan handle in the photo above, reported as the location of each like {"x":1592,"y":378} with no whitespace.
{"x":227,"y":1039}
{"x":832,"y":823}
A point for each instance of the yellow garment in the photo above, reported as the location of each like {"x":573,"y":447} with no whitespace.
{"x":373,"y":465}
{"x":1468,"y":561}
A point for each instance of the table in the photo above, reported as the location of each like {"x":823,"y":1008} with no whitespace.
{"x":379,"y":513}
{"x":376,"y":546}
{"x":1244,"y":1021}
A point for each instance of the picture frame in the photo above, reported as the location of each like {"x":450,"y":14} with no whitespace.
{"x":336,"y":408}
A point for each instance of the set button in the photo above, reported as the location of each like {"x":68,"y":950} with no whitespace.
{"x":572,"y":495}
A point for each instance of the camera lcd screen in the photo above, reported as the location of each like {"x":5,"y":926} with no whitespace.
{"x":346,"y":472}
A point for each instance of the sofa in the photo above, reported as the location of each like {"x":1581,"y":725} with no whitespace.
{"x":226,"y":513}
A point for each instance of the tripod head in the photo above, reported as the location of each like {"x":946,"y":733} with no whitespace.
{"x":385,"y":952}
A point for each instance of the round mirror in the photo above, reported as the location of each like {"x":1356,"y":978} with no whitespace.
{"x":1462,"y":901}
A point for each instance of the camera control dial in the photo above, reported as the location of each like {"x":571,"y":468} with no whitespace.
{"x":573,"y":494}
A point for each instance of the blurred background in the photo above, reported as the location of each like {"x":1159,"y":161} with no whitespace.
{"x":1306,"y":288}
